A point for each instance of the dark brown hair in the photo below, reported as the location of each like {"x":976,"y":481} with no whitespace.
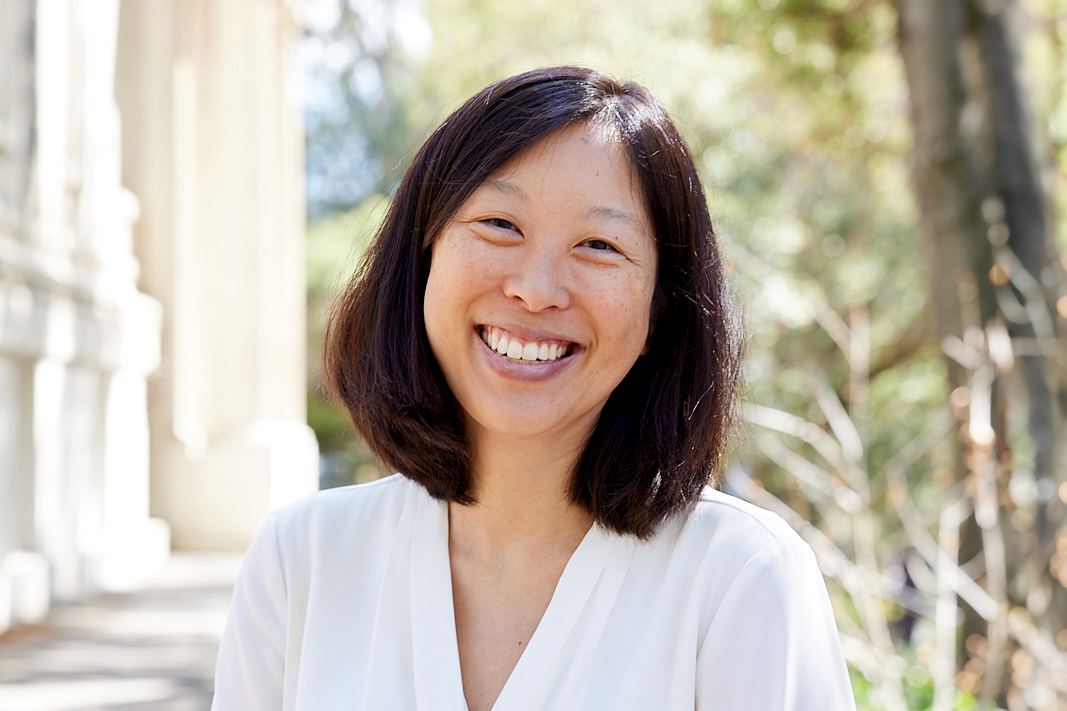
{"x":660,"y":436}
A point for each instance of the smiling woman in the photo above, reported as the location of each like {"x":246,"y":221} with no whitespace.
{"x":542,"y":342}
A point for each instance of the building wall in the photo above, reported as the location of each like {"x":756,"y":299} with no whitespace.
{"x":213,"y":147}
{"x":77,"y":339}
{"x":152,"y":309}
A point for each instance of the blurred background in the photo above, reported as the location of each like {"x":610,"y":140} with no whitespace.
{"x":185,"y":184}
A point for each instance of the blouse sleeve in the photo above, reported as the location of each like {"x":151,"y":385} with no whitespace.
{"x":250,"y":667}
{"x":772,"y":644}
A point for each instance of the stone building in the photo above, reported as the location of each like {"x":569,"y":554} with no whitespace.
{"x":152,"y":339}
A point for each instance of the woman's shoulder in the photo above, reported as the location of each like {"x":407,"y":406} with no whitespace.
{"x":723,"y":529}
{"x":741,"y":561}
{"x":716,"y":508}
{"x":359,"y":510}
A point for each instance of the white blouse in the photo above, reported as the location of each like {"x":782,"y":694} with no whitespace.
{"x":344,"y":601}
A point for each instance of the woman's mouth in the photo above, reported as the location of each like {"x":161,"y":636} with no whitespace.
{"x":516,"y":349}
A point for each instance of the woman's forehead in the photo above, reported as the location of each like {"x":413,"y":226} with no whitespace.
{"x":592,"y":135}
{"x":569,"y":148}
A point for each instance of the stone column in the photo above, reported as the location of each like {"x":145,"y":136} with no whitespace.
{"x":213,"y":149}
{"x":77,"y":339}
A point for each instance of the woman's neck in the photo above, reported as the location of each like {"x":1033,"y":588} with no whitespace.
{"x":523,"y":504}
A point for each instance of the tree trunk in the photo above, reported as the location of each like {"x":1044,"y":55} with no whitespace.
{"x":948,"y":180}
{"x":1017,"y":181}
{"x":947,"y":183}
{"x":975,"y":168}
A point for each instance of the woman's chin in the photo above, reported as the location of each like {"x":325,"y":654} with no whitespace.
{"x":529,"y":424}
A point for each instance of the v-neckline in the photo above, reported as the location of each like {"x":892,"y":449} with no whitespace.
{"x":435,"y":646}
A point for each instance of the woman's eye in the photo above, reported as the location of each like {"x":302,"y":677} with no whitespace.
{"x":498,"y":222}
{"x":598,"y":244}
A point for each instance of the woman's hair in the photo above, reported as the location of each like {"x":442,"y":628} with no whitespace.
{"x":663,"y":431}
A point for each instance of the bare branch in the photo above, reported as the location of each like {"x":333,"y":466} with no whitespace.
{"x":945,"y":621}
{"x":781,"y":421}
{"x":922,"y":332}
{"x":1036,"y":307}
{"x":840,"y":422}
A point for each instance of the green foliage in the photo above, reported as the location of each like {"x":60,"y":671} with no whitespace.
{"x":918,"y":687}
{"x":335,"y":244}
{"x":1045,"y":51}
{"x":918,"y":692}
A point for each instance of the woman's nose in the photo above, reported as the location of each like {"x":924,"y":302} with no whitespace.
{"x":538,"y":280}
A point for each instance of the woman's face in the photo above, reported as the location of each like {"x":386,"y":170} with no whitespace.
{"x":540,"y":289}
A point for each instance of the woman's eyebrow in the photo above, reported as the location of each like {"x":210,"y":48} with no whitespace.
{"x":510,"y":189}
{"x":610,"y":214}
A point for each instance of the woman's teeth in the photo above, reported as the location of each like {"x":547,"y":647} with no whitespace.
{"x":515,"y":349}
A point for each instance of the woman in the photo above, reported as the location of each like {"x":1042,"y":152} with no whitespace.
{"x":542,"y":342}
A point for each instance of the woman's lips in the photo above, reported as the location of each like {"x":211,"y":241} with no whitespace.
{"x":529,"y":370}
{"x":514,"y":348}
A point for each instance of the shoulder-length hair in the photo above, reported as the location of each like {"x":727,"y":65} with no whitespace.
{"x":663,"y":431}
